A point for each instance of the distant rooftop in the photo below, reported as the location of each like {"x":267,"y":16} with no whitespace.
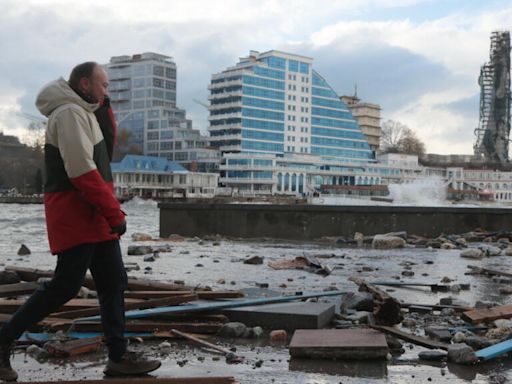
{"x":150,"y":164}
{"x":141,"y":57}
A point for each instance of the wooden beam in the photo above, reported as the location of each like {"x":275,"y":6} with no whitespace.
{"x":152,"y":380}
{"x":423,"y":341}
{"x":31,"y":274}
{"x":202,"y":295}
{"x":486,"y":271}
{"x":150,"y":326}
{"x":10,"y":306}
{"x":140,"y":304}
{"x":477,"y":316}
{"x":387,"y":309}
{"x":18,"y":289}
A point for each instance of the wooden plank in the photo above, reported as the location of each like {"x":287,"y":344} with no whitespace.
{"x":494,"y":350}
{"x":10,"y":306}
{"x":476,"y":316}
{"x":18,"y":289}
{"x":202,"y":295}
{"x":31,"y":274}
{"x":358,"y":344}
{"x":149,"y":326}
{"x":152,"y":380}
{"x":486,"y":271}
{"x":139,"y":304}
{"x":423,"y":341}
{"x":387,"y":309}
{"x":217,"y":305}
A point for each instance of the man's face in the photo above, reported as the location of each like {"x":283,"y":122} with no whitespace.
{"x":96,"y":86}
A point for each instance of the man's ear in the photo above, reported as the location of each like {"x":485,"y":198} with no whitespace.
{"x":84,"y":84}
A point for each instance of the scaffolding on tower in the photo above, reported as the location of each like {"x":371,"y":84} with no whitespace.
{"x":492,"y":134}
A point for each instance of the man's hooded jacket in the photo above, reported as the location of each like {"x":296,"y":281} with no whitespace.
{"x":79,"y":199}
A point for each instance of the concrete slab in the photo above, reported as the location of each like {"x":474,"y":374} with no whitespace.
{"x":352,"y":344}
{"x":289,"y":316}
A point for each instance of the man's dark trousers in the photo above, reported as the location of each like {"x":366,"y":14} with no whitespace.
{"x":106,"y":265}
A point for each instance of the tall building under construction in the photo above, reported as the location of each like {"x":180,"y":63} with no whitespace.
{"x":492,"y":134}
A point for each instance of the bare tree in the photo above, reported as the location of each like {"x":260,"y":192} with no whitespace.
{"x":124,"y":146}
{"x":399,"y":138}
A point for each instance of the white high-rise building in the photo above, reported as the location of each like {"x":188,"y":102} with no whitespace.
{"x":143,"y":96}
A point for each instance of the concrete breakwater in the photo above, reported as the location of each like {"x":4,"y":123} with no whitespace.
{"x":301,"y":222}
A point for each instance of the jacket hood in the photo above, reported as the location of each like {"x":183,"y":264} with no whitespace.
{"x":58,"y":93}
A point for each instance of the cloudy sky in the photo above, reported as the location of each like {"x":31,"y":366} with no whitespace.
{"x":418,"y":59}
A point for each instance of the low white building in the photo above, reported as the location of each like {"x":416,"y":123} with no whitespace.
{"x":156,"y":177}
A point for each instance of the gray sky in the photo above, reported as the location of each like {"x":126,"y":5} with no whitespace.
{"x":418,"y":59}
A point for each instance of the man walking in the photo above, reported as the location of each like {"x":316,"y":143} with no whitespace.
{"x":83,"y":217}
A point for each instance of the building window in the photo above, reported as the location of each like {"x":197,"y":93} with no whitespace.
{"x":153,"y":124}
{"x":158,"y":70}
{"x":159,"y":83}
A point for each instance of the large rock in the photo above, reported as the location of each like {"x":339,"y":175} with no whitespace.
{"x":472,"y":253}
{"x":139,"y":250}
{"x":254,"y":260}
{"x":490,"y":250}
{"x":461,"y":354}
{"x":23,"y":251}
{"x":478,"y":342}
{"x":387,"y":242}
{"x":9,"y":277}
{"x":500,"y":333}
{"x":233,"y":329}
{"x":358,"y":301}
{"x":436,"y":355}
{"x":139,"y":236}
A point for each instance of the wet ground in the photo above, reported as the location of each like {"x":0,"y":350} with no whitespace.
{"x":203,"y":263}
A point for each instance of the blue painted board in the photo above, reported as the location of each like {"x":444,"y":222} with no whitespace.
{"x":31,"y":336}
{"x":136,"y":314}
{"x":495,"y":350}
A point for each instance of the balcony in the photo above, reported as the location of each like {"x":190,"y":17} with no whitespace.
{"x":223,"y":95}
{"x":234,"y":115}
{"x":233,"y":136}
{"x":225,"y":84}
{"x":230,"y":148}
{"x":241,"y":180}
{"x":223,"y":127}
{"x":215,"y":107}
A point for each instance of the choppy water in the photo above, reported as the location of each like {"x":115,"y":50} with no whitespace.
{"x":204,"y":264}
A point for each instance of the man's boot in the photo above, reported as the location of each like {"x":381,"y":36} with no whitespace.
{"x":6,"y":371}
{"x":131,"y":363}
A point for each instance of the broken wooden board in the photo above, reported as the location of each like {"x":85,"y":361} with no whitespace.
{"x":150,"y":326}
{"x":494,"y":350}
{"x":423,"y":341}
{"x":73,"y":347}
{"x":476,"y":316}
{"x":149,"y":380}
{"x":31,"y":274}
{"x":136,"y":304}
{"x":350,"y":344}
{"x":10,"y":306}
{"x":202,"y":295}
{"x":289,"y":316}
{"x":486,"y":271}
{"x":216,"y":305}
{"x":387,"y":309}
{"x":17,"y":289}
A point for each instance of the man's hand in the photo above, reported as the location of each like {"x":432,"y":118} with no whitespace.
{"x":119,"y":229}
